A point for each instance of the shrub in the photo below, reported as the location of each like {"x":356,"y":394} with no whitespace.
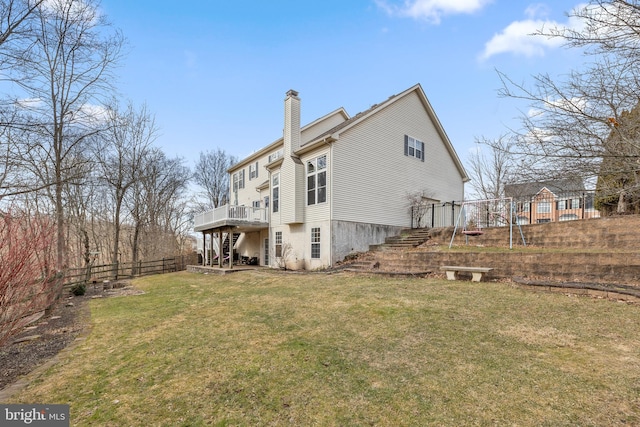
{"x":79,"y":289}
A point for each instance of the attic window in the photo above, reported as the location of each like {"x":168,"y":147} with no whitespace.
{"x":413,"y":147}
{"x":274,"y":156}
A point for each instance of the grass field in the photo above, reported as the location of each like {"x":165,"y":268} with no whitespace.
{"x":269,"y":348}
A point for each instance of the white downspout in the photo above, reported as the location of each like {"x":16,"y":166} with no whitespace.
{"x":330,"y":204}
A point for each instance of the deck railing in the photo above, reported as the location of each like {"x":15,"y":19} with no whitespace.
{"x":231,"y":212}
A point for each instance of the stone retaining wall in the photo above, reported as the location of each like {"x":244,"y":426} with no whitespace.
{"x":603,"y":250}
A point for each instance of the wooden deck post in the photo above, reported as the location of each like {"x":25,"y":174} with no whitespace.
{"x":230,"y":248}
{"x":220,"y":254}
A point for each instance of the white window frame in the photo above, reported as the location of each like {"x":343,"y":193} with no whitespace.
{"x":316,"y":172}
{"x":238,"y":180}
{"x":543,"y":207}
{"x":278,"y":244}
{"x":253,"y":171}
{"x":575,"y":203}
{"x":315,"y":243}
{"x":413,"y":147}
{"x":275,"y":192}
{"x":275,"y":156}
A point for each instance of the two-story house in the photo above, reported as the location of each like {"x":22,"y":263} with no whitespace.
{"x":334,"y":186}
{"x":552,"y":201}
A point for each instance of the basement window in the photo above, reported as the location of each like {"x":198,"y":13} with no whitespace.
{"x":315,"y":242}
{"x":278,"y":244}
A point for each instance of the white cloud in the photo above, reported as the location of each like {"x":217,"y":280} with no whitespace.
{"x":519,"y":37}
{"x":89,"y":115}
{"x":432,"y":10}
{"x":29,"y":103}
{"x":573,"y":105}
{"x":537,"y":10}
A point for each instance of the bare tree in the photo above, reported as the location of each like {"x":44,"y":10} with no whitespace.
{"x":572,"y":124}
{"x":14,"y":15}
{"x":490,"y":167}
{"x":211,"y":175}
{"x":120,"y":158}
{"x":154,"y":201}
{"x":66,"y":73}
{"x":78,"y":198}
{"x":419,"y":203}
{"x":17,"y":18}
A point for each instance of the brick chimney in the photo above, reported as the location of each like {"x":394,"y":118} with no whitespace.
{"x":291,"y":123}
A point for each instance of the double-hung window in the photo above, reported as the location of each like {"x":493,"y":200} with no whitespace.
{"x":253,"y":171}
{"x":275,"y":192}
{"x":278,"y":244}
{"x":315,"y":242}
{"x":317,"y":180}
{"x":543,"y":207}
{"x":575,"y":203}
{"x":413,"y":148}
{"x":238,"y":180}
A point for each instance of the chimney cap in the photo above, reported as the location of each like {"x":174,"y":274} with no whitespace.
{"x":292,"y":92}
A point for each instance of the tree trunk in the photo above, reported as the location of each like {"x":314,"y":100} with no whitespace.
{"x":622,"y":205}
{"x":134,"y":249}
{"x":116,"y":234}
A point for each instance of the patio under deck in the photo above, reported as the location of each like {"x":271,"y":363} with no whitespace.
{"x":228,"y":219}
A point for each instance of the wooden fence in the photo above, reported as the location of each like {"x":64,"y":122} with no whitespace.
{"x":126,"y":270}
{"x":30,"y":304}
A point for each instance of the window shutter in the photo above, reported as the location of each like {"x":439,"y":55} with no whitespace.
{"x":422,"y":145}
{"x":406,"y":145}
{"x":242,"y":180}
{"x":256,"y":168}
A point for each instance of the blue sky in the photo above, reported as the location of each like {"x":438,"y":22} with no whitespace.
{"x":215,"y":73}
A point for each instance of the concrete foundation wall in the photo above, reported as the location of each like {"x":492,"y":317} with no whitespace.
{"x":350,"y":237}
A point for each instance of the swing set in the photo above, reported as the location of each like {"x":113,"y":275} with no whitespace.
{"x":477,"y":215}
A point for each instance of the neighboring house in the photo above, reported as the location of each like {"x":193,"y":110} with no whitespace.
{"x":334,"y":186}
{"x":552,"y":201}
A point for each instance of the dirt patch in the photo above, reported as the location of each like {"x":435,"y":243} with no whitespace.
{"x":45,"y":338}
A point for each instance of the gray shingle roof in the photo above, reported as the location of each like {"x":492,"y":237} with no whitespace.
{"x":568,"y":185}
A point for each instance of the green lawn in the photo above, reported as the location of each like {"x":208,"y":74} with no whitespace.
{"x":268,"y":348}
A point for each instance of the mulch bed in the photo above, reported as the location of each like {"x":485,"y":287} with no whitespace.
{"x":54,"y":331}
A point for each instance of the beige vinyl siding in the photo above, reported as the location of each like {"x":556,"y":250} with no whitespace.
{"x":248,"y":194}
{"x":372,"y":176}
{"x":292,"y":188}
{"x":321,"y":126}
